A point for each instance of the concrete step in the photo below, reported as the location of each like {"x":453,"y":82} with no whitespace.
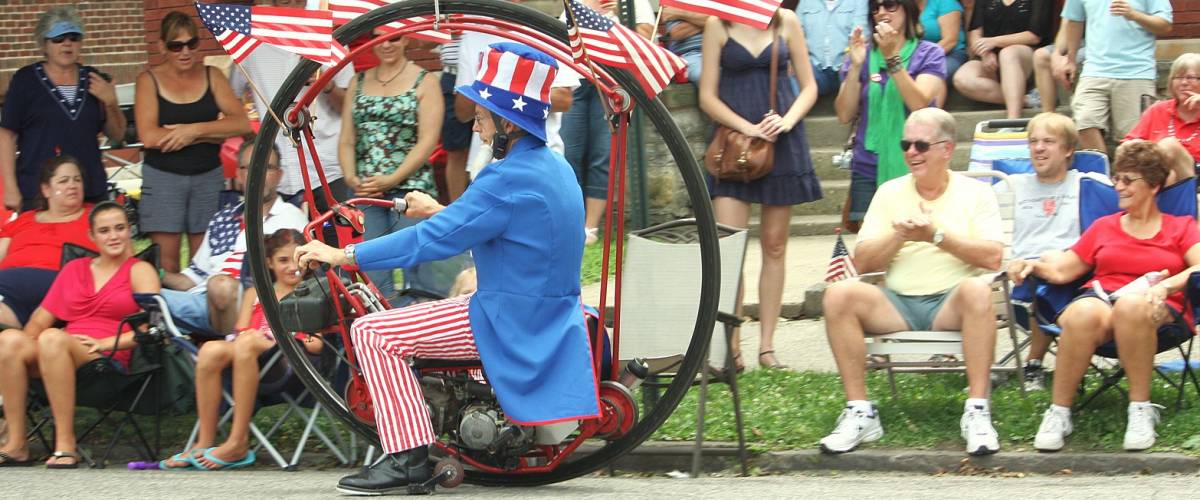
{"x":826,"y":131}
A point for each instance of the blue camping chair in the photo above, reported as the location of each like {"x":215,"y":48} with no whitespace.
{"x":1044,"y":301}
{"x":1086,"y":161}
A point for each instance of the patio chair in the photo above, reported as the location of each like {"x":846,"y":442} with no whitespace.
{"x":942,"y":350}
{"x":660,"y":287}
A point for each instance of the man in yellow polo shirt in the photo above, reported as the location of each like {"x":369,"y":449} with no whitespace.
{"x":934,"y":232}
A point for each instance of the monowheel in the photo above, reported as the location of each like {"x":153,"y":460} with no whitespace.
{"x":519,"y":24}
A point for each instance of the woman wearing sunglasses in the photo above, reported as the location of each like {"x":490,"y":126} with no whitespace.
{"x":896,"y":73}
{"x":1118,"y":249}
{"x":1174,"y":123}
{"x":56,"y":107}
{"x":734,"y":92}
{"x":184,"y":111}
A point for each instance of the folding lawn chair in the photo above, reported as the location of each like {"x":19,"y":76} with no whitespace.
{"x":946,"y":346}
{"x":659,"y":302}
{"x":998,"y":140}
{"x":278,"y":385}
{"x":1098,"y":199}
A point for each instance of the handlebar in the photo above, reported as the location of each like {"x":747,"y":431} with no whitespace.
{"x":399,"y":205}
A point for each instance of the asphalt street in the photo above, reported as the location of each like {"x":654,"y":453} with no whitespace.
{"x":37,"y":483}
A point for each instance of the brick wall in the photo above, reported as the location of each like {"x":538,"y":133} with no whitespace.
{"x":114,"y":40}
{"x":155,"y":10}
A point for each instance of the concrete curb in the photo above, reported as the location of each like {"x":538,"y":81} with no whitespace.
{"x":662,"y":457}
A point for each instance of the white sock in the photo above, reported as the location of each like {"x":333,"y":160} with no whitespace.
{"x":1139,"y":405}
{"x":1061,"y":410}
{"x":861,"y":405}
{"x":980,"y":403}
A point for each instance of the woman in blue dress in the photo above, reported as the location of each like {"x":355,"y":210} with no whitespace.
{"x":733,"y":92}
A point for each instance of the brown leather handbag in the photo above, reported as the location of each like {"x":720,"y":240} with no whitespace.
{"x":734,"y":156}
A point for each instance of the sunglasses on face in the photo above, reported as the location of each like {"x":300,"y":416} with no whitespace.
{"x":74,"y":37}
{"x":191,"y":44}
{"x":1125,"y":179}
{"x":921,"y":146}
{"x":1192,"y":79}
{"x":888,"y":5}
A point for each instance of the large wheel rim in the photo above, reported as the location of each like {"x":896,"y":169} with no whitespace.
{"x":655,"y":112}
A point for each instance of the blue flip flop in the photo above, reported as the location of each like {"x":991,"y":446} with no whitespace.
{"x":183,"y":456}
{"x":248,"y":460}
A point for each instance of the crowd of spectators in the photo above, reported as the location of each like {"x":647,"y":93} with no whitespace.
{"x":887,"y":62}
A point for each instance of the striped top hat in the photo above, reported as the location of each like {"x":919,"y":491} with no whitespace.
{"x":513,"y":81}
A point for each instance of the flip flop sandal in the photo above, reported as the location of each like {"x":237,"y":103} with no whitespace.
{"x":773,"y":366}
{"x":181,"y":457}
{"x":63,"y":454}
{"x":223,"y":465}
{"x":7,"y":460}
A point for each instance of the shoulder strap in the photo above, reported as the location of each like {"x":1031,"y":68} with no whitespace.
{"x":774,"y":70}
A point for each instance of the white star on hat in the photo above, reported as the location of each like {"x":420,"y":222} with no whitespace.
{"x":545,"y":113}
{"x":519,"y":103}
{"x":485,"y":94}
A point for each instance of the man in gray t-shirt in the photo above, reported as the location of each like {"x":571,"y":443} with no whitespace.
{"x":1046,"y":210}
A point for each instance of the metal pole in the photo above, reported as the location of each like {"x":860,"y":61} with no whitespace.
{"x":637,"y":156}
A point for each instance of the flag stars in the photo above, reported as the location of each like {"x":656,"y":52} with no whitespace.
{"x":519,"y":103}
{"x":485,"y":94}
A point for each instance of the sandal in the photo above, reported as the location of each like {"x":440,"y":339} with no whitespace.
{"x":221,"y":465}
{"x":775,"y":365}
{"x":183,"y":457}
{"x":62,"y":454}
{"x":7,"y":460}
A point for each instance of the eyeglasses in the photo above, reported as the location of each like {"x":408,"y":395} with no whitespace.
{"x":921,"y":146}
{"x":888,"y":5}
{"x":191,"y":44}
{"x":74,"y":37}
{"x":1187,"y":78}
{"x":1125,"y":179}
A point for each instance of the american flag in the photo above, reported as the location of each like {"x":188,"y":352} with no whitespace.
{"x":345,"y":11}
{"x":841,"y":266}
{"x":756,"y":13}
{"x":593,"y":36}
{"x":308,"y":33}
{"x":222,"y":234}
{"x":238,"y":46}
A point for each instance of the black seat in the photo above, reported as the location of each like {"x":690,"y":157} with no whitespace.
{"x":436,"y":364}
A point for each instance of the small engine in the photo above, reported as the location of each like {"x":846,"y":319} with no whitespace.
{"x":481,"y":427}
{"x":467,"y":410}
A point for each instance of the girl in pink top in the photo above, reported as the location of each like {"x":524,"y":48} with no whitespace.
{"x":253,"y":339}
{"x":92,"y":295}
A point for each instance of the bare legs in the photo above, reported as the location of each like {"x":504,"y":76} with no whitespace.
{"x":169,"y":245}
{"x":1007,"y":87}
{"x":59,"y":355}
{"x":246,"y":350}
{"x":854,"y":309}
{"x":1043,"y":79}
{"x":18,"y":362}
{"x":223,"y":293}
{"x":1089,"y":323}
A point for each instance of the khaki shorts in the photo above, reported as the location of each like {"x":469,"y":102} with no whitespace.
{"x":1109,"y":104}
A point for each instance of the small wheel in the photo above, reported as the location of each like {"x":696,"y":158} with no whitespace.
{"x":453,"y":470}
{"x":624,"y":409}
{"x":358,"y":400}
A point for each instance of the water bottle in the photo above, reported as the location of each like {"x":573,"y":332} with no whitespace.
{"x":1140,"y":285}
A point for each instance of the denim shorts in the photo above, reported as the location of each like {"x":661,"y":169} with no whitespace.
{"x":918,"y":310}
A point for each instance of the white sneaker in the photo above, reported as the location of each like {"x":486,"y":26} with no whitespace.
{"x":976,"y":426}
{"x":1052,"y":433}
{"x":1139,"y":432}
{"x":853,"y":427}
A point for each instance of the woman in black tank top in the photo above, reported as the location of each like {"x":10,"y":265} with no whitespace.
{"x":184,"y":112}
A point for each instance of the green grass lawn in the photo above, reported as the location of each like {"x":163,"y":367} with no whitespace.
{"x":793,"y":410}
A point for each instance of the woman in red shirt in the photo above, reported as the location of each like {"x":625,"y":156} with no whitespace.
{"x":92,"y":296}
{"x":1175,"y":123}
{"x":31,"y":245}
{"x":1118,"y":249}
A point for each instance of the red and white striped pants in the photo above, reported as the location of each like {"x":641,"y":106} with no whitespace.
{"x":385,"y":341}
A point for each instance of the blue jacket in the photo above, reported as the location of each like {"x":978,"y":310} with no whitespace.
{"x":522,"y":218}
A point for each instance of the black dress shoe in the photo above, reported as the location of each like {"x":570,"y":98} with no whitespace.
{"x":404,"y":472}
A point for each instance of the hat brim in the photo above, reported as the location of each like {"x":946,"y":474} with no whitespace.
{"x":60,"y":29}
{"x":535,"y":127}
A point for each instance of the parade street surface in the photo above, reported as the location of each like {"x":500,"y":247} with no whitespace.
{"x":118,"y":483}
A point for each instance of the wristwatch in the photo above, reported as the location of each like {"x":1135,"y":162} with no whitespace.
{"x":350,"y":257}
{"x":938,"y":237}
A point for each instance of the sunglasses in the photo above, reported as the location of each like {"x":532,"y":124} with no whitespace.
{"x":191,"y":44}
{"x":74,"y":37}
{"x":921,"y":146}
{"x":888,"y":5}
{"x":1125,"y":179}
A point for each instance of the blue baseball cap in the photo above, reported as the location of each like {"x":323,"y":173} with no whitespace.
{"x":63,"y":28}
